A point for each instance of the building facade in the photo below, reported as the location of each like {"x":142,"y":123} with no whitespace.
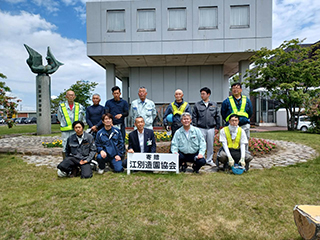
{"x":169,"y":44}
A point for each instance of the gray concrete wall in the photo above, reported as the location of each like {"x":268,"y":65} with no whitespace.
{"x":191,"y":40}
{"x":161,"y":82}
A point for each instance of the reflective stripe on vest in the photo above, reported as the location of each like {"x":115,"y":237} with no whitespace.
{"x":180,"y":110}
{"x":242,"y":111}
{"x":67,"y":118}
{"x":235,"y":144}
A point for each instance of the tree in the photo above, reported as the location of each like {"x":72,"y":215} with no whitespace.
{"x":289,"y":73}
{"x":82,"y":89}
{"x":7,"y":106}
{"x":313,"y":111}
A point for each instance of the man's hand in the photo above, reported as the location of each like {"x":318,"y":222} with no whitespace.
{"x":94,"y":129}
{"x":242,"y":162}
{"x":103,"y":154}
{"x":199,"y":156}
{"x":167,"y":128}
{"x":118,"y":116}
{"x":118,"y":158}
{"x":83,"y":162}
{"x":230,"y":161}
{"x":130,"y":150}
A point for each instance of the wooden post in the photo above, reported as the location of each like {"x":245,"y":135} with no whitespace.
{"x":307,"y":219}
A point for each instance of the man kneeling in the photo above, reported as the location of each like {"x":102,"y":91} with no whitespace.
{"x":189,"y":142}
{"x":110,"y":146}
{"x":233,"y":139}
{"x":80,"y":150}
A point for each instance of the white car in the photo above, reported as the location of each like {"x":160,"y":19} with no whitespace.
{"x":304,"y":123}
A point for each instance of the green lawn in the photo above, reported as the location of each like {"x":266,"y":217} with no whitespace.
{"x":25,"y":129}
{"x":36,"y":204}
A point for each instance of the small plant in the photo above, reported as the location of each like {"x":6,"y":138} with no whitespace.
{"x":162,"y":136}
{"x":56,"y":143}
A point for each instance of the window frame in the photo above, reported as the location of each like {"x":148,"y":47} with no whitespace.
{"x":124,"y":22}
{"x":186,"y":21}
{"x":155,"y":21}
{"x":248,"y":16}
{"x":208,"y":7}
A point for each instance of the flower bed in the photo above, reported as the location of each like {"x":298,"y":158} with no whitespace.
{"x":256,"y":146}
{"x":56,"y":143}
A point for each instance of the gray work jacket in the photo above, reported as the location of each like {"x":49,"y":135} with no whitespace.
{"x":206,"y":117}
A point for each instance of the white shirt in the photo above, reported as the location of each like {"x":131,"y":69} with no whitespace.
{"x":141,"y":140}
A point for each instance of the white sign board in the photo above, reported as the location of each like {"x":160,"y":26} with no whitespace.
{"x":153,"y":162}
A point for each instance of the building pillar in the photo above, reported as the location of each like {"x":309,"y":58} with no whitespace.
{"x":110,"y":80}
{"x":225,"y":87}
{"x":125,"y":89}
{"x":43,"y":90}
{"x":243,"y":66}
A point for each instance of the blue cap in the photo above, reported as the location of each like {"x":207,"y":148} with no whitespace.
{"x":238,"y":170}
{"x":170,"y":118}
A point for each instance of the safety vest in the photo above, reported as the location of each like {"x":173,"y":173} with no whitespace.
{"x":235,"y":144}
{"x":67,"y":118}
{"x":180,"y":110}
{"x":242,"y":111}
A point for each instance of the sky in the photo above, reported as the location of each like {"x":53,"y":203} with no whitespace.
{"x":61,"y":24}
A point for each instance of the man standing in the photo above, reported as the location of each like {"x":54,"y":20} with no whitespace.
{"x":240,"y":105}
{"x":119,"y":109}
{"x":68,"y":113}
{"x":189,"y":143}
{"x":94,"y":114}
{"x":80,"y":150}
{"x":206,"y":117}
{"x":233,"y":139}
{"x":110,"y":146}
{"x":143,"y":107}
{"x":176,"y":108}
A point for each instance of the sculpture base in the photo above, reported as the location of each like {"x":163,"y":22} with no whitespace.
{"x":43,"y":91}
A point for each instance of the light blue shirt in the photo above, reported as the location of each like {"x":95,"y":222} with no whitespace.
{"x":145,"y":109}
{"x":189,"y":145}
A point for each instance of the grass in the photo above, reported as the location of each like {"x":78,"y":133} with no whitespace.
{"x":36,"y":204}
{"x":25,"y":129}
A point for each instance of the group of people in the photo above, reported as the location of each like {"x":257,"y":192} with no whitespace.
{"x":193,"y":131}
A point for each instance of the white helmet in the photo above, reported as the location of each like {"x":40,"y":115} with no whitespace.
{"x":61,"y":173}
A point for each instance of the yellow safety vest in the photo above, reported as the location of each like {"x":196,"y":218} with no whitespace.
{"x":235,"y":144}
{"x":67,"y":118}
{"x":242,"y":111}
{"x":180,"y":110}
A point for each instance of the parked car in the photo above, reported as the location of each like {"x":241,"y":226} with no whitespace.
{"x":20,"y":120}
{"x":30,"y":120}
{"x":304,"y":123}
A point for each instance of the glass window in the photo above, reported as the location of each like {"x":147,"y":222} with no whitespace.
{"x":115,"y":21}
{"x":146,"y":20}
{"x":208,"y":17}
{"x":177,"y":18}
{"x":240,"y":16}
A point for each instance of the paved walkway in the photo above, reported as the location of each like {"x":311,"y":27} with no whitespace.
{"x":32,"y":151}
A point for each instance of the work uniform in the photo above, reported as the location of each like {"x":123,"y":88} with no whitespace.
{"x":176,"y":109}
{"x":118,"y":107}
{"x":189,"y":145}
{"x":206,"y":117}
{"x":112,"y":143}
{"x":93,"y":116}
{"x":234,"y":146}
{"x":242,"y":107}
{"x":145,"y":109}
{"x":79,"y":148}
{"x":66,"y":117}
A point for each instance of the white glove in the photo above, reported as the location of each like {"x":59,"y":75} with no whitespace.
{"x":230,"y":161}
{"x":167,"y":128}
{"x":242,"y":162}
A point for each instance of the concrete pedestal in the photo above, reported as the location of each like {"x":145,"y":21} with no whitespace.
{"x":43,"y":91}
